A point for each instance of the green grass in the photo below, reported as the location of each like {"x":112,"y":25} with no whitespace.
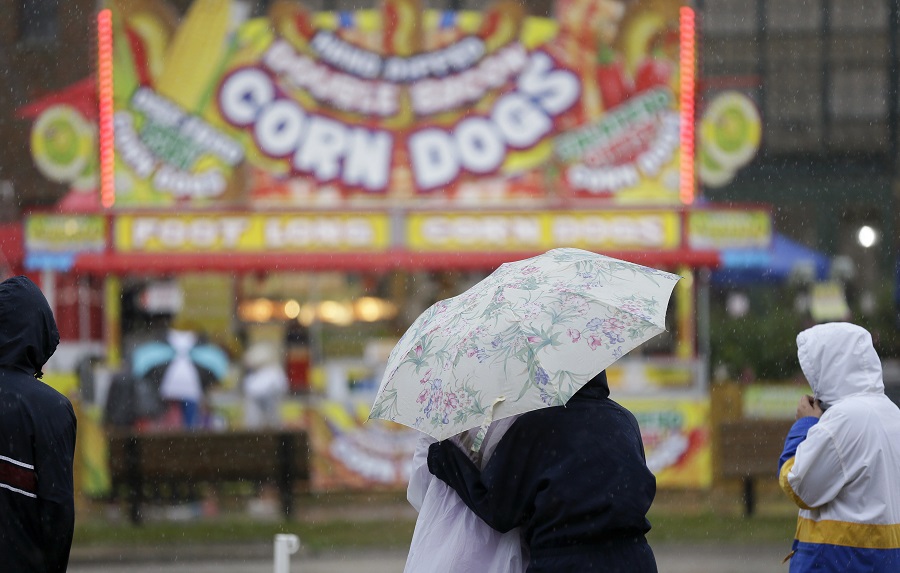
{"x":348,"y":522}
{"x":398,"y":532}
{"x":325,"y":521}
{"x":709,"y":527}
{"x":332,"y":535}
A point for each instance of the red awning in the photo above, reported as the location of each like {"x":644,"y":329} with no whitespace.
{"x":82,"y":95}
{"x":11,"y":248}
{"x":79,"y":202}
{"x":157,"y":264}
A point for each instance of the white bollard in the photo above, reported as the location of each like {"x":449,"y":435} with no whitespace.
{"x":286,"y":544}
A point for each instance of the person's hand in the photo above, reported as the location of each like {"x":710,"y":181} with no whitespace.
{"x":808,"y":407}
{"x":434,"y":456}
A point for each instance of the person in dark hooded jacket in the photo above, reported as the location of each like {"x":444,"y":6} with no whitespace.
{"x":575,"y":479}
{"x":37,"y":438}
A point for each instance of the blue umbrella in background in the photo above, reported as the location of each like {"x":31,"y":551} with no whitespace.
{"x":150,"y":355}
{"x":156,"y":354}
{"x":149,"y":365}
{"x":741,"y":267}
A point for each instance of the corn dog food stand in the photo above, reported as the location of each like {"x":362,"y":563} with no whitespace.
{"x":300,"y":167}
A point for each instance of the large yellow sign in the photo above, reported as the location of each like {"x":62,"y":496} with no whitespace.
{"x":527,"y":231}
{"x":65,"y":233}
{"x":351,"y":452}
{"x":676,"y":440}
{"x":326,"y":109}
{"x":729,"y":229}
{"x":252,"y":233}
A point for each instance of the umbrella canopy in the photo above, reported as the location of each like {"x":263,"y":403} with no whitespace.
{"x":140,"y":393}
{"x":528,"y":336}
{"x":155,"y":354}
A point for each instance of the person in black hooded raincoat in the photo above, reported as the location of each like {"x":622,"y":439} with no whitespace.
{"x":37,"y":438}
{"x":575,"y":479}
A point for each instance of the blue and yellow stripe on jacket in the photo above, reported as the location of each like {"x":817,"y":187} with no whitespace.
{"x":835,"y":546}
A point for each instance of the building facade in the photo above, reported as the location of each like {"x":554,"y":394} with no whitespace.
{"x":824,"y":76}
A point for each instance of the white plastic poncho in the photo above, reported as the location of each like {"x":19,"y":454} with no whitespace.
{"x":181,"y":380}
{"x":265,"y":384}
{"x":448,"y":537}
{"x":265,"y":375}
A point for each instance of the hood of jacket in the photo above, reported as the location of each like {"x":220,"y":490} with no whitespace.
{"x":28,"y":333}
{"x":596,"y":387}
{"x":839,"y":360}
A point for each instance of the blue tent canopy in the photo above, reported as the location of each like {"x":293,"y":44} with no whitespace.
{"x":774,"y":265}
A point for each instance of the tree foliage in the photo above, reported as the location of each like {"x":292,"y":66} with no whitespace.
{"x":763,"y":341}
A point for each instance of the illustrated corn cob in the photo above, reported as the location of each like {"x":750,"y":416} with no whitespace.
{"x":125,"y":79}
{"x":194,"y":54}
{"x":142,"y":30}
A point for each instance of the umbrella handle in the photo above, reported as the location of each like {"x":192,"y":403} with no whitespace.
{"x":488,"y":418}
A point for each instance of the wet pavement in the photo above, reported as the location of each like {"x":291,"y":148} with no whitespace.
{"x":671,"y":558}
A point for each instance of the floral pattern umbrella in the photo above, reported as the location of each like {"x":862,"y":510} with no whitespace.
{"x":528,"y":336}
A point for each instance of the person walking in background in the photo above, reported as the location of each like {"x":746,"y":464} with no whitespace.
{"x":37,"y":438}
{"x":172,"y":379}
{"x":841,"y":459}
{"x":181,"y":386}
{"x":573,"y":477}
{"x":448,"y":536}
{"x":265,"y":384}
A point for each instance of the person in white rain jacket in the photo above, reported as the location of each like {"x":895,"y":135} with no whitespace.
{"x":449,"y":537}
{"x":265,"y":385}
{"x":841,"y":459}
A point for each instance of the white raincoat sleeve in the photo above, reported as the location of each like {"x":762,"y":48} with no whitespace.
{"x":448,"y":536}
{"x":817,"y":473}
{"x":420,"y":478}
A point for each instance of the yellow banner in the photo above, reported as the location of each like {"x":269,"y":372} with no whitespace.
{"x":772,"y":401}
{"x":676,"y":435}
{"x":92,"y":455}
{"x":828,"y":302}
{"x":65,"y":233}
{"x":523,"y":231}
{"x":475,"y":232}
{"x":615,"y":230}
{"x":649,"y":376}
{"x":351,"y":452}
{"x":729,"y":229}
{"x":252,"y":233}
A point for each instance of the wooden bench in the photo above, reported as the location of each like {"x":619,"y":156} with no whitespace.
{"x":749,"y":449}
{"x":139,"y":459}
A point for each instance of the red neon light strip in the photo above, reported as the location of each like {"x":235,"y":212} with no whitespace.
{"x":688,"y":87}
{"x":105,"y":93}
